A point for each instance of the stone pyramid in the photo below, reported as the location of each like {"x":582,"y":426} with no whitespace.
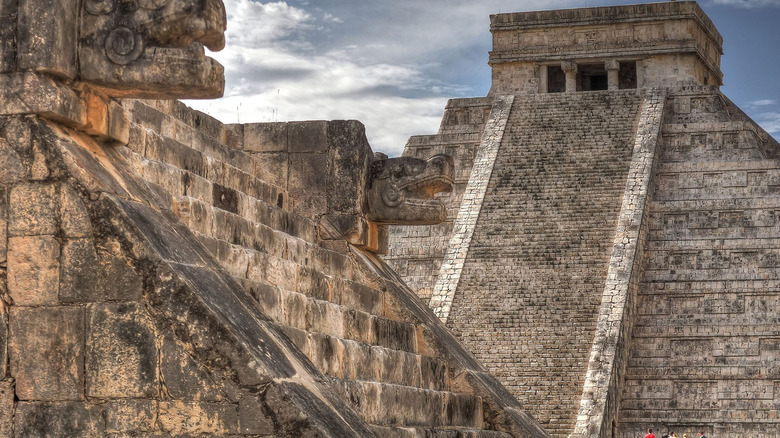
{"x":612,"y":248}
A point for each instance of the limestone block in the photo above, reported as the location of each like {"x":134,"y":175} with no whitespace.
{"x":225,"y":198}
{"x":359,"y":363}
{"x":121,"y":352}
{"x":394,"y":335}
{"x":3,"y":334}
{"x":272,"y":167}
{"x":233,"y":258}
{"x":349,"y":158}
{"x":3,"y":224}
{"x":300,"y":338}
{"x":272,"y":270}
{"x":433,"y":373}
{"x":33,"y":210}
{"x":295,"y":306}
{"x":196,"y":187}
{"x":268,"y":298}
{"x":325,"y":317}
{"x":326,"y":354}
{"x":265,"y":137}
{"x":397,"y":367}
{"x":13,"y":169}
{"x":357,"y":296}
{"x":118,"y":280}
{"x":234,"y":135}
{"x":74,"y":214}
{"x":80,"y":273}
{"x":330,"y":262}
{"x":46,"y":351}
{"x":47,"y":34}
{"x":6,"y":408}
{"x":313,"y":284}
{"x":307,"y":183}
{"x":184,"y":378}
{"x":401,"y":405}
{"x":193,"y":418}
{"x":33,"y":270}
{"x":58,"y":419}
{"x":251,"y":418}
{"x":309,"y":136}
{"x":130,"y":416}
{"x":7,"y":46}
{"x":359,"y":326}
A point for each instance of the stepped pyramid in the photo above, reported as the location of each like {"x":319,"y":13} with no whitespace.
{"x":611,"y":252}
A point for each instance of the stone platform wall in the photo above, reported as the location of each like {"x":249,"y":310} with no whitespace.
{"x":704,"y":347}
{"x":162,"y":287}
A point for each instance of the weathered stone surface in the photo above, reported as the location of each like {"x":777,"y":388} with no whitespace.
{"x":71,"y":419}
{"x":74,"y":217}
{"x":6,"y":408}
{"x":265,"y":137}
{"x":252,"y":419}
{"x":34,"y":270}
{"x":7,"y":36}
{"x":184,"y":378}
{"x":130,"y":416}
{"x":3,"y":224}
{"x":121,"y":352}
{"x":3,"y":333}
{"x":310,"y":136}
{"x":33,"y":210}
{"x":193,"y":418}
{"x":47,"y":37}
{"x":80,"y":273}
{"x":13,"y":169}
{"x":307,"y":184}
{"x":119,"y":280}
{"x":46,"y":352}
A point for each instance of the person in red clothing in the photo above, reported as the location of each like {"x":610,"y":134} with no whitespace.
{"x":649,"y":434}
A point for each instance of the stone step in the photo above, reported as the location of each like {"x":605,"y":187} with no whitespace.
{"x":181,"y":156}
{"x":389,"y":405}
{"x":173,"y":117}
{"x":410,"y":432}
{"x":296,"y":310}
{"x":352,"y":360}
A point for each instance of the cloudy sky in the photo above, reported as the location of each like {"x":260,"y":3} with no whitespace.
{"x":392,"y":64}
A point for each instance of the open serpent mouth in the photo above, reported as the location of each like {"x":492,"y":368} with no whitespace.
{"x":423,"y":190}
{"x":184,"y":27}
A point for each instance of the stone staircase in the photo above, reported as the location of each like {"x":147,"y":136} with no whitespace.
{"x":416,"y":252}
{"x":339,"y":314}
{"x":546,"y":226}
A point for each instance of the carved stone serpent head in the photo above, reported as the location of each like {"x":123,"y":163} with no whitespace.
{"x":401,"y":190}
{"x":152,"y":48}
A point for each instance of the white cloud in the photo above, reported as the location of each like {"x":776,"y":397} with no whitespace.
{"x":763,"y":102}
{"x":770,"y":121}
{"x":389,"y":64}
{"x":747,"y":3}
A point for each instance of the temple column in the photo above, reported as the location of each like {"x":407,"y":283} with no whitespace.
{"x":570,"y":68}
{"x":613,"y":76}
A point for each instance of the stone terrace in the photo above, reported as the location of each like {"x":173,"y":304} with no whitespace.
{"x":704,"y":343}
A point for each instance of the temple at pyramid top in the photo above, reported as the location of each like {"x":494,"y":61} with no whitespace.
{"x":604,"y":48}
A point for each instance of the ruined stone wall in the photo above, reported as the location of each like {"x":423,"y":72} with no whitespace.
{"x":416,"y":252}
{"x":531,"y":285}
{"x":704,"y":347}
